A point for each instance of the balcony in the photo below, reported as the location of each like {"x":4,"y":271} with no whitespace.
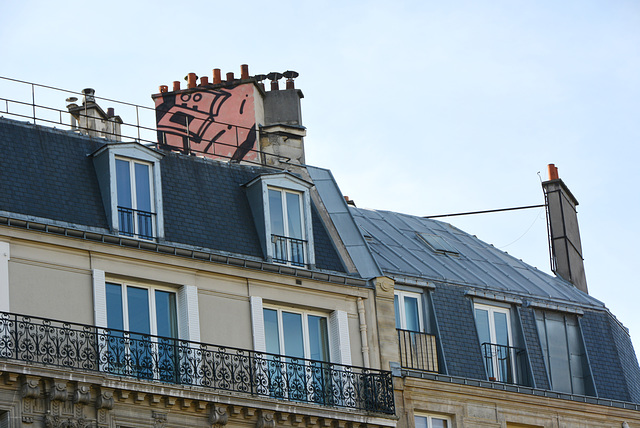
{"x":88,"y":348}
{"x":136,"y":223}
{"x":505,"y":363}
{"x":289,"y":251}
{"x":418,"y":351}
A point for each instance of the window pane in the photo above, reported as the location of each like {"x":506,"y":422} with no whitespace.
{"x":143,"y":188}
{"x":138,"y":302}
{"x":114,"y":306}
{"x":276,"y":213}
{"x":292,"y":329}
{"x":271,"y":332}
{"x":421,"y":422}
{"x":318,"y":338}
{"x":502,"y":329}
{"x":294,"y":215}
{"x":411,"y":313}
{"x":438,"y":423}
{"x":166,"y":314}
{"x":558,"y":353}
{"x":482,"y":323}
{"x":123,"y":181}
{"x":396,"y":306}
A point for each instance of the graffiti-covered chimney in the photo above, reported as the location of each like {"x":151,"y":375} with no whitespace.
{"x":218,"y":120}
{"x":234,"y":119}
{"x":564,"y":235}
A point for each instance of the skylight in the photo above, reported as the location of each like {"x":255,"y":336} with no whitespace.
{"x":437,"y":243}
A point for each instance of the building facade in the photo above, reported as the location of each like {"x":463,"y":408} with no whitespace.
{"x":211,"y":278}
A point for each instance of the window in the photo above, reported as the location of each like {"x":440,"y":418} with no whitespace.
{"x":281,"y":207}
{"x":135,"y":198}
{"x":432,"y":422}
{"x":564,"y":354}
{"x":494,"y":331}
{"x":135,"y":316}
{"x":287,"y":230}
{"x":408,"y":308}
{"x":297,"y":335}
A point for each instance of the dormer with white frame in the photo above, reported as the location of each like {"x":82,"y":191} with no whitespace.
{"x":131,"y":188}
{"x":281,"y":207}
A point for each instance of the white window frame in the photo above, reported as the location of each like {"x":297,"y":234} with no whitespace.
{"x":287,"y":233}
{"x":134,"y":197}
{"x":401,"y":307}
{"x":429,"y":419}
{"x":153,"y":322}
{"x":305,"y":329}
{"x":492,"y":310}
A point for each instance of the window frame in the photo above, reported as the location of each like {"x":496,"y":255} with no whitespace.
{"x":491,"y":311}
{"x":429,"y":418}
{"x":133,"y":181}
{"x":305,"y":330}
{"x":151,"y":300}
{"x":400,"y":296}
{"x":287,"y":234}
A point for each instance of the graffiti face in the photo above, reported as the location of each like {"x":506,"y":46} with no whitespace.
{"x":217,"y":123}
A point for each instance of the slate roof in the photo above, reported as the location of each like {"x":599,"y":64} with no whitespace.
{"x":48,"y":174}
{"x":394,"y":240}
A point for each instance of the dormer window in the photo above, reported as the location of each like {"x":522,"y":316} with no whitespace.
{"x":131,"y":188}
{"x":281,"y":207}
{"x":136,"y":211}
{"x":287,"y":228}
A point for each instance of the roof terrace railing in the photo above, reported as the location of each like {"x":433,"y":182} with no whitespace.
{"x":73,"y":346}
{"x":40,"y":104}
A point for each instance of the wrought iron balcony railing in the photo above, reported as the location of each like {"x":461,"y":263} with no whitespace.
{"x":137,"y":223}
{"x":288,"y":250}
{"x":418,"y":351}
{"x":505,"y":363}
{"x":84,"y":347}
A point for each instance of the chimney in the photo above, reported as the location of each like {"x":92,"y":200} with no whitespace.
{"x":90,"y":119}
{"x":564,"y":235}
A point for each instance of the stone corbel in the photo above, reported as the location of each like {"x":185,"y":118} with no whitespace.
{"x":30,"y":387}
{"x":82,"y":394}
{"x":219,"y":415}
{"x":57,"y":390}
{"x":105,"y":399}
{"x":266,"y":419}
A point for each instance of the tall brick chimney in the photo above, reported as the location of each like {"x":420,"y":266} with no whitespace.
{"x":564,"y":235}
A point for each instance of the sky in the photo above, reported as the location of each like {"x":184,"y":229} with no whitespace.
{"x":422,"y":107}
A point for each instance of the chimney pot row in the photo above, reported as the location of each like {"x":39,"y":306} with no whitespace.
{"x":553,"y":172}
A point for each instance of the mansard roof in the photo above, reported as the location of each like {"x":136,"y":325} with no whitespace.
{"x":48,"y":175}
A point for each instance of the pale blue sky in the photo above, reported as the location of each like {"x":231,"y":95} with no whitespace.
{"x":423,"y":107}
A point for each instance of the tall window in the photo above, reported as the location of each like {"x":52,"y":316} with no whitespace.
{"x":564,"y":353}
{"x":135,"y":198}
{"x":432,"y":422}
{"x":408,"y":308}
{"x":134,"y":315}
{"x":287,"y":227}
{"x":297,"y":335}
{"x":494,"y":331}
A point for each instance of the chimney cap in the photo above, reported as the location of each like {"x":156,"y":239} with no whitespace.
{"x":274,"y":76}
{"x":290,"y":74}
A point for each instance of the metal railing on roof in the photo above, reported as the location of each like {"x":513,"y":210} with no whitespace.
{"x":35,"y":103}
{"x":72,"y":346}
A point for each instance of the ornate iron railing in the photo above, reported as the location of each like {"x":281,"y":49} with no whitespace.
{"x":505,"y":363}
{"x":153,"y":358}
{"x":136,"y":223}
{"x":289,"y":250}
{"x":418,"y":351}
